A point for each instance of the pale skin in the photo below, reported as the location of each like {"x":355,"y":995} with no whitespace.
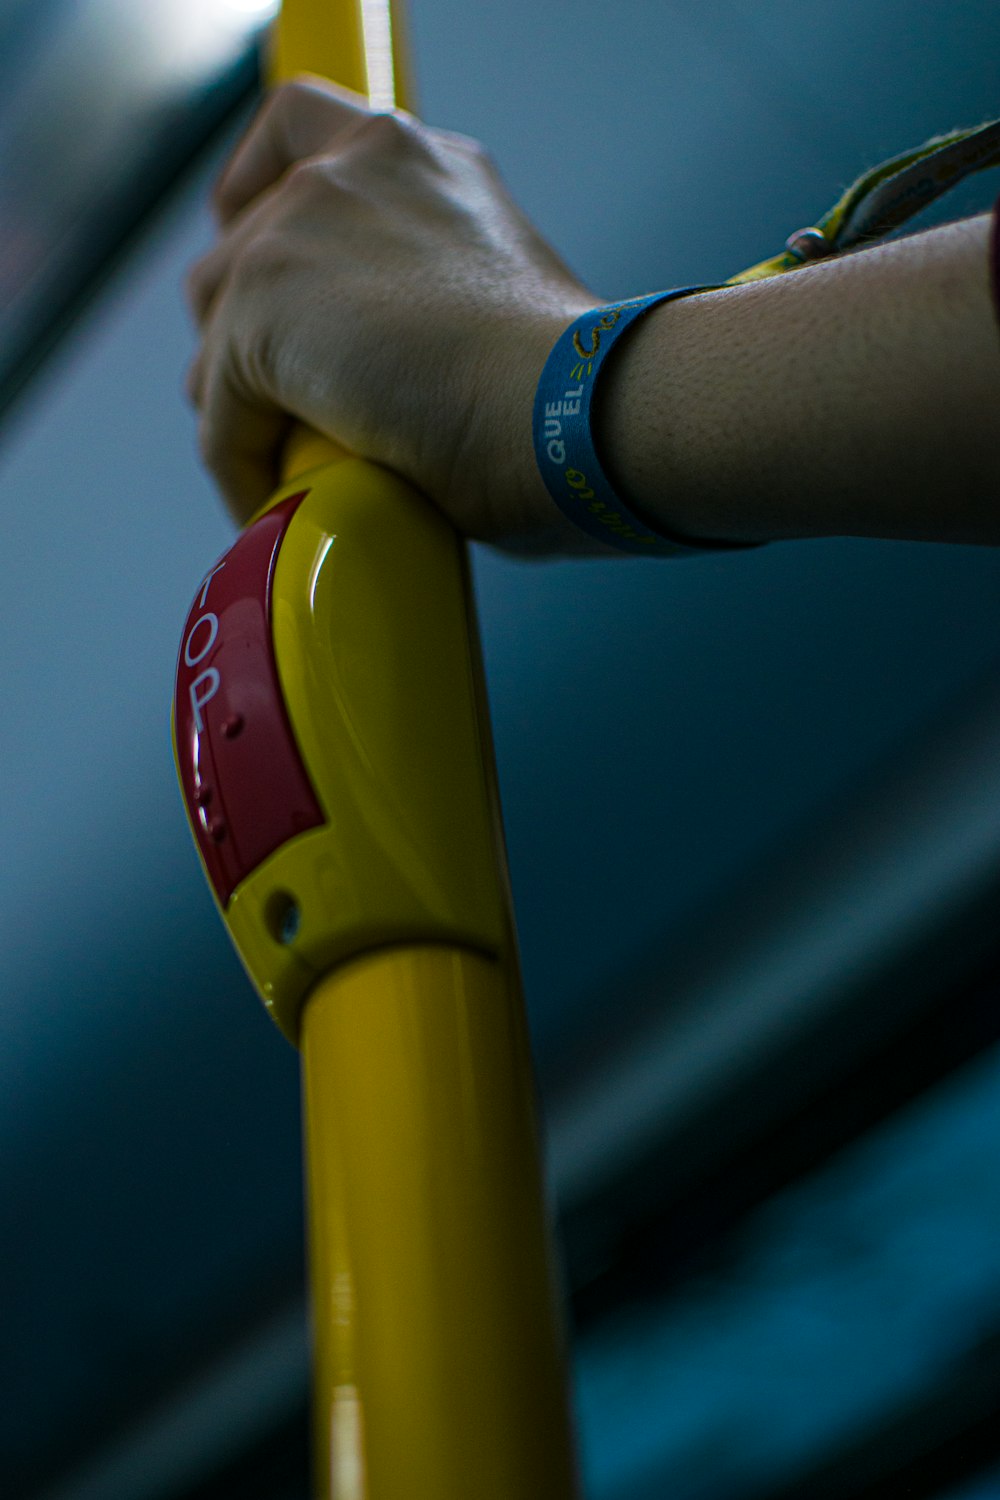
{"x":373,"y":278}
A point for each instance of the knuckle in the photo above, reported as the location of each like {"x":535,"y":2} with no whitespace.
{"x":306,"y":86}
{"x":306,"y":186}
{"x":297,"y":99}
{"x":287,"y":98}
{"x":390,"y":131}
{"x":294,"y":88}
{"x":305,"y":176}
{"x":289,"y":101}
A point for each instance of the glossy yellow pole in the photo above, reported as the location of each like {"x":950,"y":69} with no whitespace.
{"x":438,"y":1348}
{"x":439,"y":1366}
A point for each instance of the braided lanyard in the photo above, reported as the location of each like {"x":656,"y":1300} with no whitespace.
{"x":879,"y":202}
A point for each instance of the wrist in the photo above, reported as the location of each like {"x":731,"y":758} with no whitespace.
{"x":495,"y":475}
{"x":653,"y":426}
{"x":567,"y":443}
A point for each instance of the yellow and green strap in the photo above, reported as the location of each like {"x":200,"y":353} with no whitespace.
{"x":885,"y":197}
{"x":877,"y":203}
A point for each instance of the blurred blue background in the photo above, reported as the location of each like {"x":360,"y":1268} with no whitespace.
{"x":752,"y":808}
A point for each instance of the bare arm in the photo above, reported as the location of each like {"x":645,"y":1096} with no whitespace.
{"x":857,"y":397}
{"x":372,"y":278}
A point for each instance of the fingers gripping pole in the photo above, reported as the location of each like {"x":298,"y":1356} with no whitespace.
{"x":362,"y":45}
{"x":335,"y":759}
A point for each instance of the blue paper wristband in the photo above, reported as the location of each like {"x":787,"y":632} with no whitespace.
{"x":564,"y":444}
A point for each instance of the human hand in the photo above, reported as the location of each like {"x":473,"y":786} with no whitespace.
{"x":373,"y":279}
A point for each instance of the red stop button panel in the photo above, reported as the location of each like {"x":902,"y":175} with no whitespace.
{"x":246,"y":788}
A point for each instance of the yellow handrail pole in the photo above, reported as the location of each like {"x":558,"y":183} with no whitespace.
{"x":439,"y":1355}
{"x":439,"y":1373}
{"x":362,"y":45}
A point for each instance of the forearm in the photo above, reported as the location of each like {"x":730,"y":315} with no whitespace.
{"x":859,"y":396}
